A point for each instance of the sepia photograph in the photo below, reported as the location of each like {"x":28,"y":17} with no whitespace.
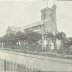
{"x":35,"y":36}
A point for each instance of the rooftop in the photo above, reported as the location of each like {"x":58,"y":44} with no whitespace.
{"x":35,"y":24}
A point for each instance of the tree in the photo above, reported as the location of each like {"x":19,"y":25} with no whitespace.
{"x":32,"y":37}
{"x":4,"y":39}
{"x":12,"y":39}
{"x":62,"y":37}
{"x":1,"y":43}
{"x":68,"y":45}
{"x":9,"y":39}
{"x":20,"y":36}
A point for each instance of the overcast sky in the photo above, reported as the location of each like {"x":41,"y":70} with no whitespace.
{"x":20,"y":13}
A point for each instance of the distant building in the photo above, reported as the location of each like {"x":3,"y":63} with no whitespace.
{"x":47,"y":23}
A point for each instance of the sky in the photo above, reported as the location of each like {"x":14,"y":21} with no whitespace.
{"x":21,"y":13}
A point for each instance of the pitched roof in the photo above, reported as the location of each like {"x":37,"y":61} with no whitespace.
{"x":35,"y":24}
{"x":16,"y":29}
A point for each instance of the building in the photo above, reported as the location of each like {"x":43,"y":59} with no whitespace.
{"x":14,"y":29}
{"x":47,"y":23}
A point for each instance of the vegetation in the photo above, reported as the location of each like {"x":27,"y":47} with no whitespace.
{"x":32,"y":37}
{"x":29,"y":40}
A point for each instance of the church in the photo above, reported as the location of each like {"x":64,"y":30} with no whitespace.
{"x":47,"y":23}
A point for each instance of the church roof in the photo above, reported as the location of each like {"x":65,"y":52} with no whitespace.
{"x":16,"y":29}
{"x":35,"y":24}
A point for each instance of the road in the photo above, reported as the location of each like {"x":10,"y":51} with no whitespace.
{"x":37,"y":61}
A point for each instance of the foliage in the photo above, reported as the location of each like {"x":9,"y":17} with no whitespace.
{"x":9,"y":39}
{"x":32,"y":37}
{"x":66,"y":46}
{"x":12,"y":39}
{"x":29,"y":36}
{"x":20,"y":36}
{"x":60,"y":35}
{"x":4,"y":39}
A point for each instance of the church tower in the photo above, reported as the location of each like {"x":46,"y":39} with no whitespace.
{"x":50,"y":14}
